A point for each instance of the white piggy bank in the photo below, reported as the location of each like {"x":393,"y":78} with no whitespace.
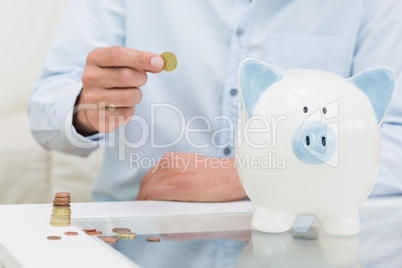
{"x":309,"y":142}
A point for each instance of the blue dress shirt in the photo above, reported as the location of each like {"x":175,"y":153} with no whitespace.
{"x":195,"y":107}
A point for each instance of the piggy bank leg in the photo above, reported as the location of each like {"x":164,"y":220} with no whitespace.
{"x":271,"y":221}
{"x":340,"y":225}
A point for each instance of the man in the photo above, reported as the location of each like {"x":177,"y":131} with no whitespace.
{"x":163,"y":131}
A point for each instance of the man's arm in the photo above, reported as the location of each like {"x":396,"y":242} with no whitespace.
{"x":192,"y":177}
{"x":85,"y":26}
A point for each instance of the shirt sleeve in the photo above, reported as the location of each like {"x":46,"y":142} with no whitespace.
{"x":86,"y":25}
{"x":379,"y":44}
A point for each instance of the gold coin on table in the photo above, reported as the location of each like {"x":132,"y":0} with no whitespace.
{"x":70,"y":233}
{"x":95,"y":233}
{"x":153,"y":239}
{"x":54,"y":237}
{"x":126,"y":235}
{"x":170,"y":61}
{"x":62,"y":194}
{"x":89,"y":230}
{"x":118,"y":229}
{"x":109,"y":239}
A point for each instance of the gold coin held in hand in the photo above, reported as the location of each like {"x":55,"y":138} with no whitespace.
{"x":170,"y":61}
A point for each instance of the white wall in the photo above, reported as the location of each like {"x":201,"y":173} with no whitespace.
{"x":26,"y":30}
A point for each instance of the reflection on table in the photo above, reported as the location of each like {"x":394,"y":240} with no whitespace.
{"x":229,"y":242}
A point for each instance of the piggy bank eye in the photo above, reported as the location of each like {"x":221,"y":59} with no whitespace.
{"x":324,"y":110}
{"x":305,"y":109}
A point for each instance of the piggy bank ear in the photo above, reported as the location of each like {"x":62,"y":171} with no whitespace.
{"x":255,"y":77}
{"x":378,"y":85}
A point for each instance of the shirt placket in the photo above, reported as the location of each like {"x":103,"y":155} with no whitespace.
{"x":230,"y":100}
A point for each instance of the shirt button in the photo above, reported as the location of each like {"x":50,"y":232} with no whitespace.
{"x":227,"y":151}
{"x":239,"y":31}
{"x":233,"y":91}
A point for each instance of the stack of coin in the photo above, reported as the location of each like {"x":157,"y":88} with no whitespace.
{"x":61,"y":214}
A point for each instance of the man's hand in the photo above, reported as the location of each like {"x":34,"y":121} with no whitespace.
{"x":111,"y":80}
{"x":191,"y":177}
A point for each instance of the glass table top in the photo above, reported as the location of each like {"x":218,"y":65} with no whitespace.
{"x":226,"y":240}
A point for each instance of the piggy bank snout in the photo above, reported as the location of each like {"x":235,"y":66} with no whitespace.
{"x":315,"y":137}
{"x":314,"y":142}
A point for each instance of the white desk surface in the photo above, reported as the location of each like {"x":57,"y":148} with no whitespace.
{"x":24,"y":228}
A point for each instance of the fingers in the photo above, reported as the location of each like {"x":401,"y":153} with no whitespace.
{"x":162,"y":192}
{"x":126,"y":57}
{"x":111,"y":80}
{"x":162,"y":185}
{"x":203,"y":183}
{"x":168,"y":192}
{"x":108,"y":119}
{"x":114,"y":98}
{"x":115,"y":77}
{"x":150,"y":178}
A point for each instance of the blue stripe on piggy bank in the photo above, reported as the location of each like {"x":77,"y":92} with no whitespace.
{"x":308,"y":142}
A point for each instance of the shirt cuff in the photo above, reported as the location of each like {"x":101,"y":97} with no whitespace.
{"x":76,"y":143}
